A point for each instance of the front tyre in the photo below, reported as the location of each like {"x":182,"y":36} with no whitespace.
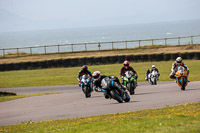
{"x":132,"y":88}
{"x":183,"y":84}
{"x":127,"y":99}
{"x":155,"y":81}
{"x":116,"y":96}
{"x":87,"y":92}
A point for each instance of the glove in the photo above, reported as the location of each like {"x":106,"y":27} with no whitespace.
{"x":79,"y":83}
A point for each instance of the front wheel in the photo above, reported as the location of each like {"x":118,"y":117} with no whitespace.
{"x":154,"y":81}
{"x":183,"y":84}
{"x":132,"y":88}
{"x":127,"y":99}
{"x":116,"y":96}
{"x":87,"y":92}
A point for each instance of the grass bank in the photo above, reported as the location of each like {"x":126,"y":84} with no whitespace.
{"x":178,"y":119}
{"x":68,"y":76}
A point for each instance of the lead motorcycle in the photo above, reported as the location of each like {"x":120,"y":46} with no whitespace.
{"x":86,"y":85}
{"x":130,"y":82}
{"x":109,"y":88}
{"x":181,"y":77}
{"x":153,"y":77}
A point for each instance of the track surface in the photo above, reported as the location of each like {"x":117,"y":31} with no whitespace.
{"x":72,"y":103}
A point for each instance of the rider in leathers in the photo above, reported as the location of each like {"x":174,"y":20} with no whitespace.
{"x":125,"y":68}
{"x":83,"y":71}
{"x":153,"y":68}
{"x":175,"y":65}
{"x":97,"y":78}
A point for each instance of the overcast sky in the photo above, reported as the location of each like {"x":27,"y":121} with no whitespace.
{"x":84,"y":13}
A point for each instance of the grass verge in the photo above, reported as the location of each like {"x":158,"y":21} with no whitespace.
{"x":8,"y":98}
{"x":177,"y":119}
{"x":67,"y":76}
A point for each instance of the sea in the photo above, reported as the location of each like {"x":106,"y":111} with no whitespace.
{"x":129,"y":32}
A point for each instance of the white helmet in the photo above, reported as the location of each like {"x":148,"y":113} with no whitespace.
{"x":96,"y":75}
{"x":178,"y":60}
{"x":153,"y":66}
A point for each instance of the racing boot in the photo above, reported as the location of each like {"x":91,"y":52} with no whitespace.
{"x":106,"y":96}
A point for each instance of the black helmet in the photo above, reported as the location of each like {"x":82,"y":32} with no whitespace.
{"x":84,"y":68}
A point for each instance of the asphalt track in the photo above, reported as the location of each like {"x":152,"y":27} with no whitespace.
{"x":72,"y":103}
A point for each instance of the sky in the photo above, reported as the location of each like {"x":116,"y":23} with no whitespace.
{"x":52,"y":14}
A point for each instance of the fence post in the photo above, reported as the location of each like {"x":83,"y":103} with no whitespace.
{"x":45,"y":50}
{"x":126,"y":44}
{"x":17,"y":52}
{"x":192,"y":40}
{"x":85,"y":46}
{"x":139,"y":43}
{"x":31,"y":50}
{"x":72,"y":47}
{"x":99,"y":46}
{"x":4,"y":53}
{"x":112,"y":46}
{"x":58,"y":48}
{"x":165,"y":41}
{"x":152,"y":42}
{"x":179,"y":41}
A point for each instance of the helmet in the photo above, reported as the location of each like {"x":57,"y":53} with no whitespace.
{"x":126,"y":64}
{"x":84,"y":68}
{"x":178,"y":60}
{"x":153,"y":66}
{"x":96,"y":75}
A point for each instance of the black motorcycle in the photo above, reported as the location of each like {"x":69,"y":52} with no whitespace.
{"x":109,"y":88}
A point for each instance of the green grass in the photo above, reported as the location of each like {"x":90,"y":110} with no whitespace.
{"x":67,"y":76}
{"x":8,"y":98}
{"x":178,"y":119}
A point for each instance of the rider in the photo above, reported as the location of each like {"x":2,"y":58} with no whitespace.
{"x":97,"y":78}
{"x":175,"y":65}
{"x":153,"y":68}
{"x":83,"y":71}
{"x":125,"y":68}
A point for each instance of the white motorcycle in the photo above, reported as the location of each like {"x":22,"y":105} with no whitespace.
{"x":153,"y":77}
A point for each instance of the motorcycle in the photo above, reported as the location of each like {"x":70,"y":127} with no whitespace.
{"x":86,"y":85}
{"x":111,"y":91}
{"x":130,"y":82}
{"x":153,"y":77}
{"x":181,"y":77}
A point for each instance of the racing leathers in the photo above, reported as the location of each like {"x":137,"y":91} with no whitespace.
{"x":153,"y":69}
{"x":97,"y":86}
{"x":123,"y":70}
{"x":175,"y":66}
